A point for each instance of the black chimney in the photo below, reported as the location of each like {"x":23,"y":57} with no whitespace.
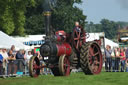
{"x":47,"y":14}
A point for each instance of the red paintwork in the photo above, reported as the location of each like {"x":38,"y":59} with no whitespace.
{"x":58,"y":38}
{"x":79,"y":37}
{"x":99,"y":42}
{"x":95,"y":62}
{"x":64,"y":48}
{"x":61,"y":36}
{"x":66,"y":66}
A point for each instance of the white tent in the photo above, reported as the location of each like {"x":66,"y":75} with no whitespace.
{"x":7,"y":41}
{"x":96,"y":36}
{"x":111,"y":43}
{"x":29,"y":38}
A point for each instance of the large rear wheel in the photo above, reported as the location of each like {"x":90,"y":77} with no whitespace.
{"x":91,"y":58}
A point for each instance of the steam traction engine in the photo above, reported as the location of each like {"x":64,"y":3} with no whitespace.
{"x":63,"y":51}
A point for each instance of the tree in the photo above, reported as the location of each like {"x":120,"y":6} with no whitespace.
{"x":110,"y":28}
{"x":64,"y":15}
{"x":12,"y":18}
{"x":34,"y":19}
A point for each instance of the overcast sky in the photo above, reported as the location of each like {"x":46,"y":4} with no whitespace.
{"x":96,"y":10}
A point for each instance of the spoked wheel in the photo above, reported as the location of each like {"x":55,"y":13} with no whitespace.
{"x":78,"y":37}
{"x":34,"y":66}
{"x":91,"y":58}
{"x":64,"y":66}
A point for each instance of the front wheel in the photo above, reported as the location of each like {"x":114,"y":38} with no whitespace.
{"x":34,"y":66}
{"x":64,"y":65}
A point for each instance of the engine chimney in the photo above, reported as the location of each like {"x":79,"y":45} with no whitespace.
{"x":47,"y":14}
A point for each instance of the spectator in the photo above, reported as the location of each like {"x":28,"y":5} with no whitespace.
{"x":1,"y":62}
{"x":13,"y":50}
{"x":1,"y":57}
{"x":113,"y":60}
{"x":29,"y":55}
{"x":20,"y":61}
{"x":117,"y":59}
{"x":122,"y":58}
{"x":126,"y":52}
{"x":5,"y":60}
{"x":126,"y":65}
{"x":108,"y":59}
{"x":11,"y":64}
{"x":20,"y":55}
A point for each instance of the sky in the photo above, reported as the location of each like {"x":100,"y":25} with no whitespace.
{"x":95,"y":10}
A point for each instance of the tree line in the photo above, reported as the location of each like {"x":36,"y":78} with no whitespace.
{"x":25,"y":17}
{"x":110,"y":28}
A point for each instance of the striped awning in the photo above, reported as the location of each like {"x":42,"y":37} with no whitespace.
{"x":34,"y":42}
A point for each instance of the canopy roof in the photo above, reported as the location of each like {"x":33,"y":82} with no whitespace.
{"x":7,"y":41}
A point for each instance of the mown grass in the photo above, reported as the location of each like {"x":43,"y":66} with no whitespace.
{"x":105,"y":78}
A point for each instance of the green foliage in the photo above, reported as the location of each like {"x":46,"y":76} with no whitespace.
{"x":12,"y":18}
{"x":34,"y":19}
{"x":34,"y":24}
{"x":122,"y":24}
{"x":110,"y":28}
{"x":64,"y":16}
{"x":6,"y":21}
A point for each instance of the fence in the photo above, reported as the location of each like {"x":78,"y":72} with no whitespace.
{"x":18,"y":67}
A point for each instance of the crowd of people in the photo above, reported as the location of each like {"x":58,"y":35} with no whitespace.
{"x":116,"y":59}
{"x":10,"y":59}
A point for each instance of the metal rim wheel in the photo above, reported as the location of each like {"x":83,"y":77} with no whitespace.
{"x":78,"y":37}
{"x":91,"y":58}
{"x":64,"y":65}
{"x":34,"y":66}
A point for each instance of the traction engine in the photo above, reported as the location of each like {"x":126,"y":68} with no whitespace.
{"x":64,"y":51}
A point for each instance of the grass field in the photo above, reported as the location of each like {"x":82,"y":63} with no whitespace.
{"x":105,"y":78}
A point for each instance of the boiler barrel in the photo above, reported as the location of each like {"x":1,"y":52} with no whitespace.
{"x":64,"y":48}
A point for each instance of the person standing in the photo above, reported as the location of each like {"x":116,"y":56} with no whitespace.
{"x":11,"y":64}
{"x":113,"y":60}
{"x":122,"y":58}
{"x":13,"y":53}
{"x":29,"y":55}
{"x":108,"y":59}
{"x":5,"y":60}
{"x":126,"y":65}
{"x":20,"y":60}
{"x":1,"y":62}
{"x":117,"y":59}
{"x":126,"y":52}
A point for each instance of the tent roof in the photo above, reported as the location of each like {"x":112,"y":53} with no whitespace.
{"x":29,"y":38}
{"x":96,"y":36}
{"x":7,"y":41}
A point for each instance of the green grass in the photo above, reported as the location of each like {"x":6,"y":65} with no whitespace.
{"x":105,"y":78}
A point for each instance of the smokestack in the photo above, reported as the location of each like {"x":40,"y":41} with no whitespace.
{"x":47,"y":14}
